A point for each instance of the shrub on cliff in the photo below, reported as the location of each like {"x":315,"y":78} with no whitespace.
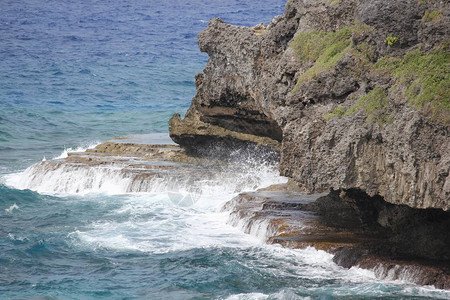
{"x":426,"y":79}
{"x":373,"y":104}
{"x":423,"y":78}
{"x":323,"y":49}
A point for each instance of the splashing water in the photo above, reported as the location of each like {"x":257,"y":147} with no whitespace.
{"x":11,"y":208}
{"x":80,"y":71}
{"x":79,"y":149}
{"x":141,"y":239}
{"x":117,"y":176}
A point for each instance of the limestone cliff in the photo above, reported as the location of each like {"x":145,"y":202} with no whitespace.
{"x":353,"y":94}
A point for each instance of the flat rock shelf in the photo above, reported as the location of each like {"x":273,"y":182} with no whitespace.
{"x":347,"y":223}
{"x":284,"y":214}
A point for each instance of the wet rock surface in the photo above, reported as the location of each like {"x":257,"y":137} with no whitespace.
{"x":133,"y":166}
{"x":352,"y":228}
{"x":138,"y":167}
{"x":397,"y":242}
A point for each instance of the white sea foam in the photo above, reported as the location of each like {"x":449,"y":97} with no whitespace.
{"x":66,"y":151}
{"x":68,"y":179}
{"x":282,"y":295}
{"x":63,"y":178}
{"x":168,"y":214}
{"x":17,"y":238}
{"x":157,"y":225}
{"x":153,"y":223}
{"x":11,"y":208}
{"x":428,"y":291}
{"x":162,"y":213}
{"x":249,"y":296}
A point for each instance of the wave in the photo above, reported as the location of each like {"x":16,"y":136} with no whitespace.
{"x":183,"y":183}
{"x":284,"y":294}
{"x":11,"y":208}
{"x":178,"y":203}
{"x":176,"y":210}
{"x":52,"y":177}
{"x":79,"y":149}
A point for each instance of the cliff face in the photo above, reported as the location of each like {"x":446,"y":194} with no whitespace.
{"x":353,"y":94}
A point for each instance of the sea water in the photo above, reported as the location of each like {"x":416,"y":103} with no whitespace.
{"x":76,"y":73}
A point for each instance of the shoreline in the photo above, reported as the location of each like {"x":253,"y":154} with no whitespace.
{"x":286,"y":215}
{"x":281,"y":214}
{"x":353,"y":98}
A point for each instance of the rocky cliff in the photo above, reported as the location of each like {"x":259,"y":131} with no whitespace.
{"x":353,"y":94}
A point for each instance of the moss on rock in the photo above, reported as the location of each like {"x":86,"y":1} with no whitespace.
{"x":426,"y":79}
{"x":338,"y":111}
{"x":422,"y":77}
{"x":324,"y":49}
{"x":432,"y":16}
{"x":373,"y":104}
{"x":335,"y":2}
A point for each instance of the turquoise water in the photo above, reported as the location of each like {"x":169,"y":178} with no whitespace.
{"x":74,"y":74}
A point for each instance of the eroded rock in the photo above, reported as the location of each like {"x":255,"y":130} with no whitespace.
{"x":323,"y":81}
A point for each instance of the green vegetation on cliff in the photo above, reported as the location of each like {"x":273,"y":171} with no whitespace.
{"x":374,"y":104}
{"x":323,"y":49}
{"x":339,"y":111}
{"x":432,"y":16}
{"x":391,"y":40}
{"x":314,"y":45}
{"x":425,"y":79}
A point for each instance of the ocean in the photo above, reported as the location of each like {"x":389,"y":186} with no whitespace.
{"x":74,"y":74}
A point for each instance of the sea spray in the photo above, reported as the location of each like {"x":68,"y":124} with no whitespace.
{"x":147,"y":239}
{"x":121,"y":175}
{"x":12,"y":208}
{"x":79,"y":149}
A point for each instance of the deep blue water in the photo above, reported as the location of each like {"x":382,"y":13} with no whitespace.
{"x":73,"y":73}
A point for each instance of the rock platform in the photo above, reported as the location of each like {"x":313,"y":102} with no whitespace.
{"x":286,"y":215}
